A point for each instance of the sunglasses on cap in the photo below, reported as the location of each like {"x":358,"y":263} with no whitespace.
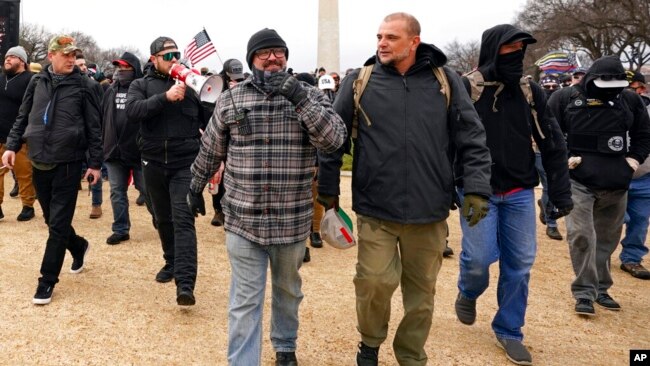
{"x":170,"y":56}
{"x":611,"y":77}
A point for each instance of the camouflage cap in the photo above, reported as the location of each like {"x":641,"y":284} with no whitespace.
{"x":63,"y":43}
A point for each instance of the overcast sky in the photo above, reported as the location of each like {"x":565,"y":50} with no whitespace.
{"x":230,"y":24}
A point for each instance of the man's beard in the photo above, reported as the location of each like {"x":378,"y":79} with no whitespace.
{"x":397,"y":58}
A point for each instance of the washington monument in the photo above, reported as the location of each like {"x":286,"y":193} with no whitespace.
{"x":328,"y":35}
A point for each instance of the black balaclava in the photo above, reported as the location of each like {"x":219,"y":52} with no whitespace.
{"x":604,"y":94}
{"x":510,"y":67}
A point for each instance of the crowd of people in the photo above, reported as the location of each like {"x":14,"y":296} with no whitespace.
{"x":425,"y":140}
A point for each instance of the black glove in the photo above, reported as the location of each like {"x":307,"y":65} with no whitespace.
{"x":328,"y":201}
{"x":555,"y":213}
{"x":288,"y":86}
{"x":475,"y":208}
{"x":196,"y":203}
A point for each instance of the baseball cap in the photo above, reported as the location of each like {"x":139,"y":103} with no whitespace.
{"x":608,"y":72}
{"x":326,"y":82}
{"x":633,"y":76}
{"x":63,"y":43}
{"x":159,"y":45}
{"x":234,"y":69}
{"x":580,"y":70}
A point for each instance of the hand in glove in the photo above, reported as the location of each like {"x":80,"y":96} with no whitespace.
{"x":555,"y":213}
{"x":574,"y":161}
{"x":475,"y":208}
{"x":196,"y":203}
{"x":288,"y":86}
{"x":328,"y":201}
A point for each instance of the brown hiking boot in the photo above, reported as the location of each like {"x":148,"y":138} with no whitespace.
{"x":96,"y":212}
{"x":636,"y":270}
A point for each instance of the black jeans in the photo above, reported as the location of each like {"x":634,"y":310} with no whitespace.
{"x":167,"y":189}
{"x":57,"y":191}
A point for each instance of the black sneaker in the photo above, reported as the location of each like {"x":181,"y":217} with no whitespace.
{"x":465,"y":309}
{"x":166,"y":274}
{"x":553,"y":233}
{"x":140,"y":200}
{"x":285,"y":359}
{"x":117,"y":238}
{"x":43,"y":295}
{"x":542,"y":217}
{"x":585,"y":307}
{"x":26,"y":214}
{"x":218,"y":219}
{"x":14,"y":191}
{"x":185,"y":297}
{"x":515,"y":351}
{"x":315,"y":240}
{"x":448,"y":252}
{"x":78,"y":263}
{"x":367,"y":356}
{"x":307,"y":257}
{"x":607,"y":302}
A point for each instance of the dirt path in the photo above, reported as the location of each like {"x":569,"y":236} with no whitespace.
{"x":114,"y":313}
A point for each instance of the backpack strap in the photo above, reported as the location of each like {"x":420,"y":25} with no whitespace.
{"x":361,"y":82}
{"x":445,"y":87}
{"x":358,"y":88}
{"x":478,"y":83}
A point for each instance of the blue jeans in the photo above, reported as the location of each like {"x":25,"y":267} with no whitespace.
{"x":506,"y":234}
{"x":118,"y":176}
{"x":636,"y":220}
{"x":249,"y":262}
{"x":542,"y":178}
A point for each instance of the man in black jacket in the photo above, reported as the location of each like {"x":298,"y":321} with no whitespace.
{"x":598,"y":117}
{"x":60,"y":120}
{"x":121,"y":153}
{"x":507,"y":234}
{"x":13,"y":83}
{"x":402,"y":182}
{"x":170,"y":117}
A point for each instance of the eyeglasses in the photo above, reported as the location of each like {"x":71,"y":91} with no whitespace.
{"x":170,"y":56}
{"x":265,"y":54}
{"x":611,"y":77}
{"x":550,"y":86}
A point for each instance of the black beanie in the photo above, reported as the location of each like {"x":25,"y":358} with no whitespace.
{"x":266,"y":38}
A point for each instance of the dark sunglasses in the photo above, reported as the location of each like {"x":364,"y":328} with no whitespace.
{"x":550,"y":87}
{"x":170,"y":56}
{"x":611,"y":77}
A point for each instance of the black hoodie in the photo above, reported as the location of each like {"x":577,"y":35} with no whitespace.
{"x":624,"y":113}
{"x":120,"y":135}
{"x":509,"y":126}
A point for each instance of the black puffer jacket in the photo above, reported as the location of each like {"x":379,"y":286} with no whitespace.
{"x":60,"y":124}
{"x":119,"y":135}
{"x":169,"y":132}
{"x":509,"y":125}
{"x":402,"y":162}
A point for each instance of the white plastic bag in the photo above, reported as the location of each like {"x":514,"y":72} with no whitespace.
{"x":336,"y":229}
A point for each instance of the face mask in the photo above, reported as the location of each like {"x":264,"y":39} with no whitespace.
{"x":603,"y":94}
{"x":261,"y":78}
{"x":510,"y":67}
{"x":125,"y":77}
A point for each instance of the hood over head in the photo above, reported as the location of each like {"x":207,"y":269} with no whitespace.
{"x":492,"y":40}
{"x":132,"y":60}
{"x":605,"y":79}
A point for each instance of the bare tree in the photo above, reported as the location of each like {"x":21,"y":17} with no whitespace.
{"x":593,"y":27}
{"x":462,"y":57}
{"x":34,"y":39}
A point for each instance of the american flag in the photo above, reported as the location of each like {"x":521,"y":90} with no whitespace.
{"x":200,"y":48}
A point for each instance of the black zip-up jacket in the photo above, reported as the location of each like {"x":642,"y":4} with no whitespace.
{"x":169,"y":131}
{"x":12,"y":90}
{"x":119,"y":135}
{"x":509,"y":129}
{"x":402,"y":170}
{"x":60,"y":124}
